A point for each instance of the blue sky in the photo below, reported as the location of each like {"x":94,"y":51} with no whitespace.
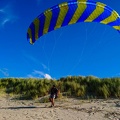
{"x":79,"y":49}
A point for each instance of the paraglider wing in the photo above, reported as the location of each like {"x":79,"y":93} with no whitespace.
{"x":69,"y":13}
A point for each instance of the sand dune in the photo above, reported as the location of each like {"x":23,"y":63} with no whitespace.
{"x":67,"y":109}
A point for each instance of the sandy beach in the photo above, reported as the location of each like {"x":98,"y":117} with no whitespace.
{"x":67,"y":109}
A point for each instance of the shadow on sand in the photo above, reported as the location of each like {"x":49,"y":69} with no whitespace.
{"x":23,"y":107}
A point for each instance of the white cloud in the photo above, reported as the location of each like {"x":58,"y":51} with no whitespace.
{"x":44,"y":66}
{"x":34,"y":60}
{"x":7,"y":15}
{"x":39,"y":74}
{"x":47,"y":76}
{"x":36,"y":72}
{"x":29,"y":57}
{"x":4,"y":71}
{"x":4,"y":21}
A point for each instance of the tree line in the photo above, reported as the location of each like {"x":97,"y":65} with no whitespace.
{"x":73,"y":86}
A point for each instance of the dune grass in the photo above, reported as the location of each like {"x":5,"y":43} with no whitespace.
{"x":88,"y":87}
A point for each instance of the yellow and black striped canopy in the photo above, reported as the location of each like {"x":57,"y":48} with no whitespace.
{"x":69,"y":13}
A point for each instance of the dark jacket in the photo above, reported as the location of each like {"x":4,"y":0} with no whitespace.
{"x":53,"y":91}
